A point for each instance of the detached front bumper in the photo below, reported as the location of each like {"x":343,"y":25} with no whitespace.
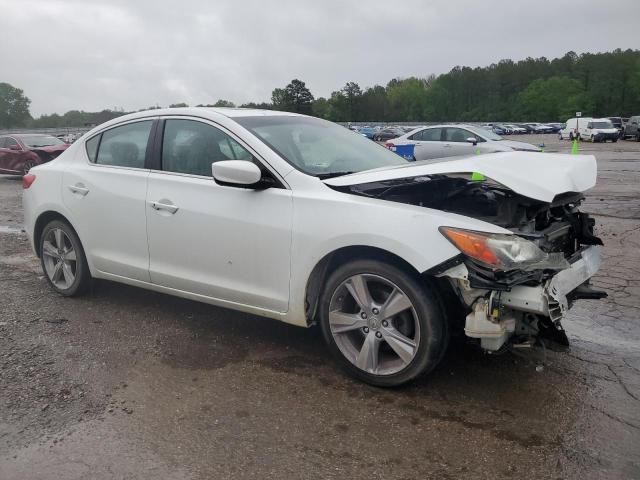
{"x":496,"y":315}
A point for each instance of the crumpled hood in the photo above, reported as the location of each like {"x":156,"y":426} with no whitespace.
{"x":540,"y":176}
{"x":520,"y":145}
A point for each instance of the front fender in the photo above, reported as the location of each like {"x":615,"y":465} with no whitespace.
{"x":409,"y":232}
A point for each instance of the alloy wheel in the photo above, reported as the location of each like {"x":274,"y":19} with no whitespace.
{"x":59,"y":258}
{"x":28,"y":165}
{"x":374,"y":324}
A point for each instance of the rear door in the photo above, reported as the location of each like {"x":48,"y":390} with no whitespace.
{"x":105,"y":192}
{"x":429,"y":144}
{"x":224,"y":242}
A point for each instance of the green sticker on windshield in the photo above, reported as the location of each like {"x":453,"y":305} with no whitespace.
{"x":477,"y":177}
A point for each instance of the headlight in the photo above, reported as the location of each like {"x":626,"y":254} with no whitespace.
{"x":496,"y":250}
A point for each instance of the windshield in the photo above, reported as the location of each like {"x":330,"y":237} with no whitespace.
{"x":484,"y":133}
{"x":37,"y":141}
{"x":601,"y":125}
{"x":318,"y":147}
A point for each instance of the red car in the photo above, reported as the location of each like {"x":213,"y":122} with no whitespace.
{"x":20,"y":152}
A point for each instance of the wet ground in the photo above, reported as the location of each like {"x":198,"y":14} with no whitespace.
{"x":125,"y":383}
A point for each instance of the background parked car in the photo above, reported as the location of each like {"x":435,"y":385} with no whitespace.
{"x":20,"y":152}
{"x":528,"y":127}
{"x":367,"y":131}
{"x":505,"y":128}
{"x":452,"y":140}
{"x":619,"y":123}
{"x":556,"y":127}
{"x":516,"y":129}
{"x":631,"y":128}
{"x":541,"y":128}
{"x":388,"y":134}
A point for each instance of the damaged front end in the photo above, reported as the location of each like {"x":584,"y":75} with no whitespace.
{"x":515,"y":288}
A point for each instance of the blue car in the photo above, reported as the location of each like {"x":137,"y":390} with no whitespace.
{"x":498,"y":130}
{"x":367,"y":132}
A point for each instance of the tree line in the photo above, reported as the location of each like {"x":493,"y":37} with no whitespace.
{"x":534,"y":89}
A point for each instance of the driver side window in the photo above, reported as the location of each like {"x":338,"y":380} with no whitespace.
{"x":189,"y":146}
{"x":10,"y":142}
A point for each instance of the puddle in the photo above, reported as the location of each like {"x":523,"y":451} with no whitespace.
{"x":10,"y":230}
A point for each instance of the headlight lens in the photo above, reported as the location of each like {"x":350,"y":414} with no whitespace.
{"x":496,"y":250}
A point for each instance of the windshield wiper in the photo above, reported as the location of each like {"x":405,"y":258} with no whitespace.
{"x":324,"y":176}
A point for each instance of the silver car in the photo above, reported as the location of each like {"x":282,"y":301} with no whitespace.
{"x":440,"y":141}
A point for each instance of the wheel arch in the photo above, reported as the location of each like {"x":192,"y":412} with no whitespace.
{"x":43,"y":219}
{"x":332,"y":260}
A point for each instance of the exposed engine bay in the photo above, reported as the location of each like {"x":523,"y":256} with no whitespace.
{"x":519,"y":306}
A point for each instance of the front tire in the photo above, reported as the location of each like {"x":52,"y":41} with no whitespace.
{"x":63,"y":260}
{"x":381,"y":324}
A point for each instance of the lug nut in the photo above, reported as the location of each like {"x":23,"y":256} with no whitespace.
{"x":376,"y":311}
{"x":378,"y":334}
{"x":365,"y":329}
{"x":363,"y":315}
{"x":385,"y":323}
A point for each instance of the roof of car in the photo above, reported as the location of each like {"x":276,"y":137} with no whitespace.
{"x":22,"y":135}
{"x":227,"y":112}
{"x":204,"y":112}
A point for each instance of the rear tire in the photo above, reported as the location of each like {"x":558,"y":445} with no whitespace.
{"x":394,"y":332}
{"x":28,"y":165}
{"x":63,"y":260}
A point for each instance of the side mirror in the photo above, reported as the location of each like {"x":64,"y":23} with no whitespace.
{"x":472,"y":140}
{"x":236,"y":172}
{"x":15,"y":148}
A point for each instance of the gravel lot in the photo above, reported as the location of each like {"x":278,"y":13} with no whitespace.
{"x":125,"y":383}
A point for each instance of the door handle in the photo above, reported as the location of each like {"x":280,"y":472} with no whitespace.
{"x":447,"y":145}
{"x":79,"y":189}
{"x":164,"y":206}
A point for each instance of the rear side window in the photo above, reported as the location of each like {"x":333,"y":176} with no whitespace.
{"x":92,"y":147}
{"x":428,"y":135}
{"x":191,"y":147}
{"x":124,"y":146}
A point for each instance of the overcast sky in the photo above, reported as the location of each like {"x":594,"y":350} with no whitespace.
{"x":131,"y":54}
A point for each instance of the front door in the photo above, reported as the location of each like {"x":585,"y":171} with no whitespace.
{"x":455,"y":140}
{"x":223,"y":242}
{"x":12,"y":156}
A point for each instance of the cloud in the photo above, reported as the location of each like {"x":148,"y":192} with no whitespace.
{"x":68,"y":54}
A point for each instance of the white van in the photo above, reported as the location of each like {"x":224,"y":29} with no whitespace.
{"x":592,"y":129}
{"x":572,"y":127}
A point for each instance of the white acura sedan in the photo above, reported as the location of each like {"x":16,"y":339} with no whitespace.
{"x":298,"y":219}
